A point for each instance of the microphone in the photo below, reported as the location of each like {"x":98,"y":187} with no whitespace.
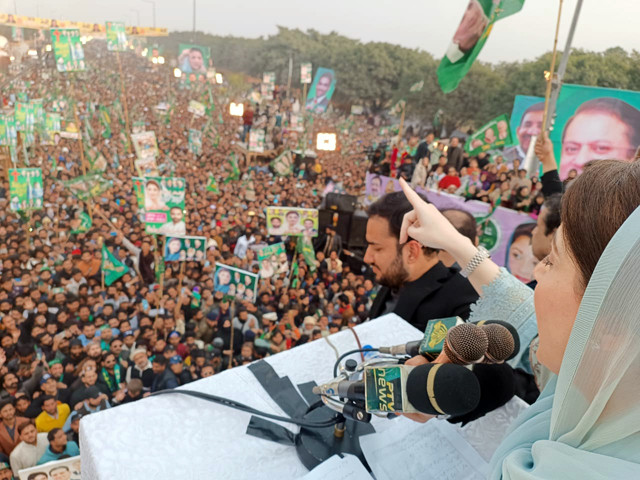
{"x":504,"y":341}
{"x":434,"y":389}
{"x":463,"y":344}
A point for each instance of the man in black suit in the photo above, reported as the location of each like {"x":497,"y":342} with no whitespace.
{"x":454,"y":155}
{"x":415,"y":284}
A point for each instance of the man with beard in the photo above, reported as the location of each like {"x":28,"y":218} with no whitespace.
{"x":415,"y":284}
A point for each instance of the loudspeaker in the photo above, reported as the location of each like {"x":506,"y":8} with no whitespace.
{"x":340,"y":202}
{"x":358,"y":231}
{"x":339,"y":221}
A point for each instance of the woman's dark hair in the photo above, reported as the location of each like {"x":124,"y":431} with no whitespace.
{"x":595,"y":207}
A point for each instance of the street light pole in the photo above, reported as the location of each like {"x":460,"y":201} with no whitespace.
{"x":153,"y":4}
{"x":194,"y":17}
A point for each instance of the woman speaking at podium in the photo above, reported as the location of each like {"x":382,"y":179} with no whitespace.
{"x":586,"y":422}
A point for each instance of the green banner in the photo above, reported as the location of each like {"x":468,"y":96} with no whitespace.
{"x":81,"y":224}
{"x":8,"y":131}
{"x":305,"y":247}
{"x":212,"y":186}
{"x":105,"y":121}
{"x":594,"y":124}
{"x":233,"y":172}
{"x":495,"y":134}
{"x":52,"y":127}
{"x":282,"y":165}
{"x":67,"y":49}
{"x":116,"y":37}
{"x":470,"y":37}
{"x":195,"y":141}
{"x":88,"y":186}
{"x":162,"y":199}
{"x":235,"y":283}
{"x":273,"y":260}
{"x":24,"y":117}
{"x":185,"y":249}
{"x":25,"y":189}
{"x":112,"y":268}
{"x":97,"y":162}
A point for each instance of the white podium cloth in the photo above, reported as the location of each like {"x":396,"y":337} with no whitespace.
{"x":175,"y":436}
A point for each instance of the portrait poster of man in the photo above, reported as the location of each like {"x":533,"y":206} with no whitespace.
{"x":526,"y":123}
{"x":194,"y":59}
{"x":163,"y":204}
{"x":305,"y":73}
{"x":65,"y":469}
{"x":321,"y":91}
{"x":594,"y":124}
{"x":273,"y":260}
{"x":145,"y":145}
{"x":495,"y":134}
{"x":195,"y":141}
{"x":116,"y":37}
{"x":292,"y":221}
{"x":256,"y":140}
{"x":8,"y":131}
{"x":185,"y":249}
{"x":235,"y":283}
{"x":67,"y":49}
{"x":25,"y":189}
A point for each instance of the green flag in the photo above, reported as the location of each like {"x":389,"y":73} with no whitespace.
{"x":88,"y":128}
{"x":112,"y":268}
{"x":471,"y":35}
{"x":305,"y":247}
{"x":83,"y":223}
{"x":232,"y":169}
{"x":417,"y":87}
{"x":212,"y":186}
{"x":105,"y":120}
{"x":282,"y":165}
{"x":496,"y":133}
{"x":67,"y":49}
{"x":116,"y":37}
{"x":294,"y":273}
{"x":195,"y":141}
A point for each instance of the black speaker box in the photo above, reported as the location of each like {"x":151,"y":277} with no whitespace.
{"x":340,"y":202}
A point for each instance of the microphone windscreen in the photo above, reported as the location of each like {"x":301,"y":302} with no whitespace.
{"x":512,"y":330}
{"x":443,"y":388}
{"x":501,"y":343}
{"x":466,"y":343}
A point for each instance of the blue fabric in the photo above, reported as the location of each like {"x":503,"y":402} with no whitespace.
{"x":70,"y":450}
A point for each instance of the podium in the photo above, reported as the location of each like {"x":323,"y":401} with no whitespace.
{"x":175,"y":436}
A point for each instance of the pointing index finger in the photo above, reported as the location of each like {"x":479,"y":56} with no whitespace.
{"x":410,"y":193}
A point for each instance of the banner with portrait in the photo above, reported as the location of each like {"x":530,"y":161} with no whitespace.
{"x":593,"y":124}
{"x":282,"y":165}
{"x":273,"y":260}
{"x":193,"y":61}
{"x":8,"y":131}
{"x":195,"y":141}
{"x":163,"y":204}
{"x":526,"y":123}
{"x":256,"y":140}
{"x":116,"y":37}
{"x":65,"y":469}
{"x":292,"y":221}
{"x":495,"y":134}
{"x":235,"y":283}
{"x":197,"y":108}
{"x":67,"y":49}
{"x":185,"y":249}
{"x":305,"y":73}
{"x":321,"y":91}
{"x":88,"y":186}
{"x":145,"y":145}
{"x":26,"y":189}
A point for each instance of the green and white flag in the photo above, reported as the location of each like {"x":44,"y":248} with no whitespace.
{"x":81,"y":224}
{"x":105,"y":120}
{"x":97,"y":162}
{"x":116,"y":37}
{"x":67,"y":49}
{"x":282,"y":165}
{"x":195,"y":141}
{"x":398,"y":108}
{"x":87,"y":186}
{"x":25,"y":189}
{"x":494,"y":134}
{"x":112,"y":268}
{"x":417,"y":87}
{"x":305,"y":247}
{"x":470,"y":37}
{"x":212,"y":186}
{"x":8,"y":131}
{"x":232,"y":168}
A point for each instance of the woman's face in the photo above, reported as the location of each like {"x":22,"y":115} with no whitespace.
{"x":521,"y":259}
{"x":174,"y":246}
{"x":152,"y":191}
{"x":557,"y":299}
{"x":224,"y":276}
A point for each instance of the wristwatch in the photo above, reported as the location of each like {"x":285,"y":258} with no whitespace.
{"x":475,"y":262}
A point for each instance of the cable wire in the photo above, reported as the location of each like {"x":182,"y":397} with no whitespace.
{"x":350,"y":352}
{"x":245,"y":408}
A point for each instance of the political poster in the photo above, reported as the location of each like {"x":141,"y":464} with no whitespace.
{"x":86,"y":187}
{"x":526,"y":123}
{"x":147,"y":167}
{"x":195,"y":141}
{"x":66,"y":469}
{"x":256,"y":140}
{"x":145,"y":145}
{"x":51,"y":132}
{"x":235,"y":283}
{"x":67,"y":49}
{"x":495,"y":134}
{"x":197,"y":108}
{"x":163,"y":204}
{"x":185,"y":249}
{"x":96,"y":160}
{"x":321,"y":91}
{"x":305,"y":73}
{"x":273,"y":260}
{"x":593,"y":124}
{"x":193,"y":61}
{"x":296,"y":123}
{"x":292,"y":221}
{"x":8,"y":131}
{"x":282,"y":165}
{"x":24,"y":116}
{"x":116,"y":37}
{"x":25,"y":189}
{"x":212,"y":184}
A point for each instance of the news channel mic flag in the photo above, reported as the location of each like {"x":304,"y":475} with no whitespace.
{"x":194,"y":59}
{"x":595,"y":124}
{"x":321,"y":91}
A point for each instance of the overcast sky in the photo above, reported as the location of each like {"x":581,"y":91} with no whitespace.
{"x":423,"y":24}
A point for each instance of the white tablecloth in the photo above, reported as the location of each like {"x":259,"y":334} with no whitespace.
{"x":170,"y":437}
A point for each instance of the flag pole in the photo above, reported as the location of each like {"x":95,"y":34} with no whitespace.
{"x":547,"y":96}
{"x":123,"y":91}
{"x":82,"y":158}
{"x":404,"y":109}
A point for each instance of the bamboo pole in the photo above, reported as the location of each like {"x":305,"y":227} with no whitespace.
{"x":553,"y":66}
